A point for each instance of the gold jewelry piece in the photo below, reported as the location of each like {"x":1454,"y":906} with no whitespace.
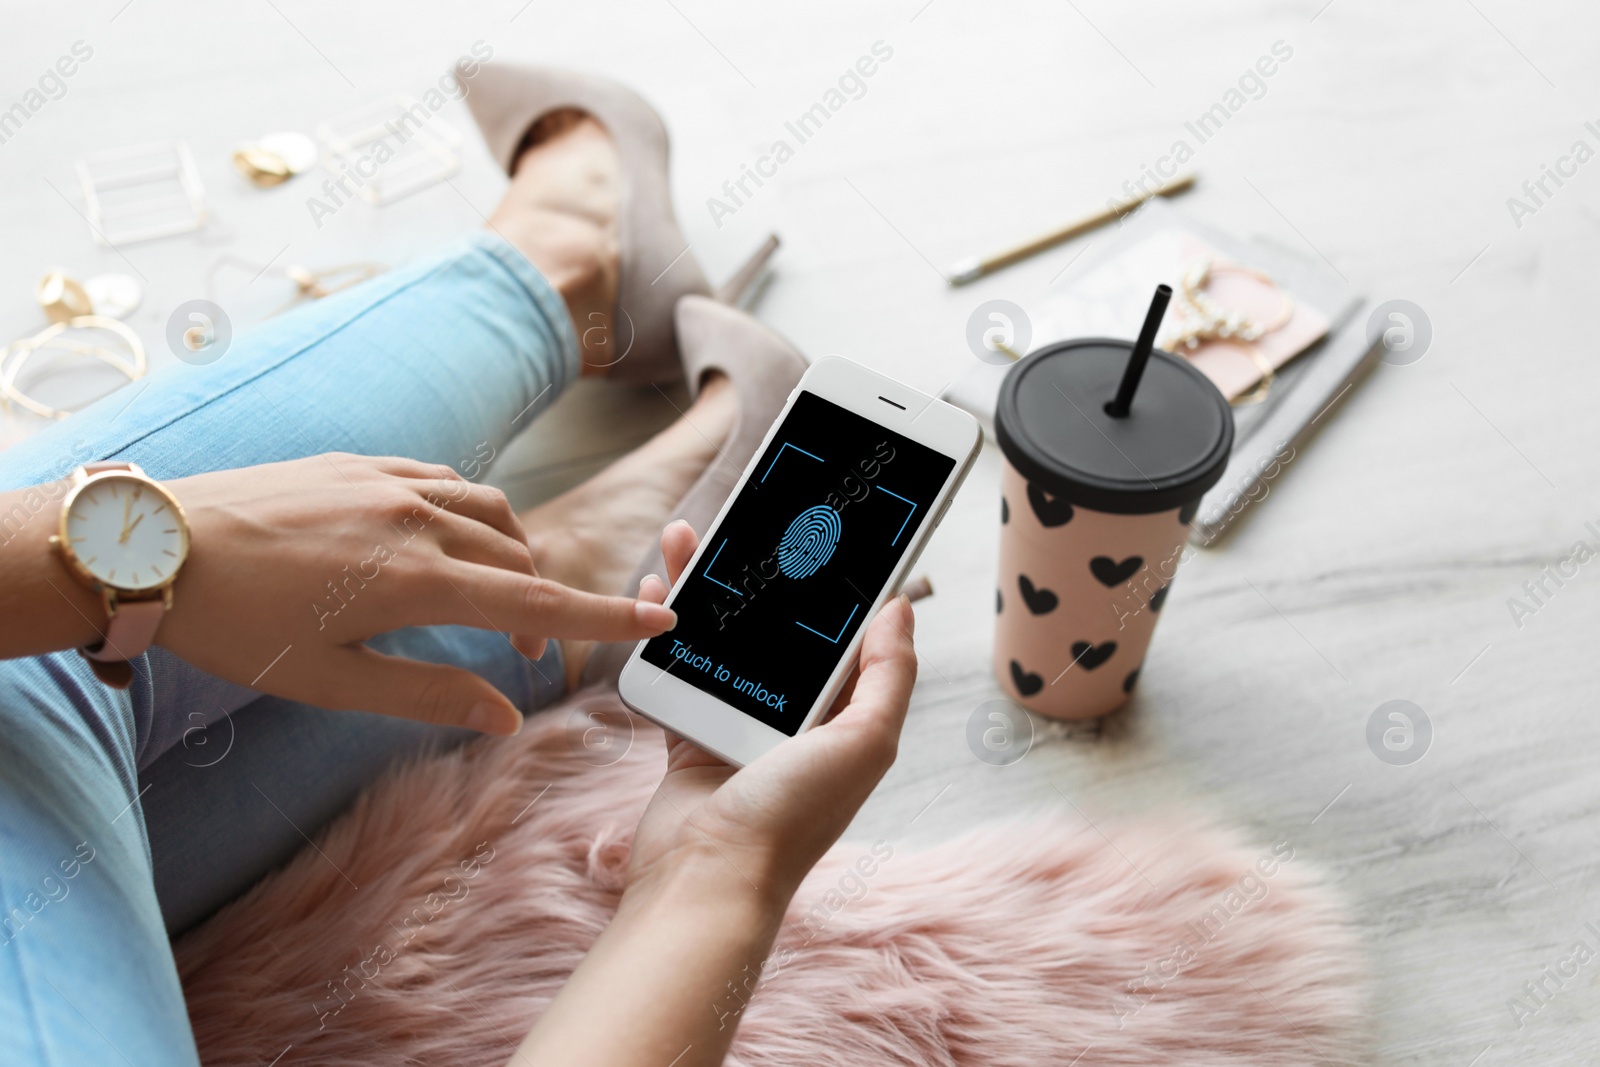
{"x":1259,"y":391}
{"x":20,"y":351}
{"x":263,"y":168}
{"x":311,"y":282}
{"x":275,"y":158}
{"x":62,"y":297}
{"x":1205,"y":319}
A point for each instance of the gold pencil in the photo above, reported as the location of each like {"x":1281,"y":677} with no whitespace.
{"x":970,"y":270}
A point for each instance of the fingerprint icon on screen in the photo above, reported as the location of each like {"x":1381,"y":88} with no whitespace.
{"x":809,"y":542}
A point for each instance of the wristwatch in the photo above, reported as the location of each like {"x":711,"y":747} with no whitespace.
{"x":125,"y":536}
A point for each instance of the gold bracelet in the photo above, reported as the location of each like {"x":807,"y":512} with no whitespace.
{"x":24,"y":349}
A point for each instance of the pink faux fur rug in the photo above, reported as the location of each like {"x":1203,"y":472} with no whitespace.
{"x":486,"y":873}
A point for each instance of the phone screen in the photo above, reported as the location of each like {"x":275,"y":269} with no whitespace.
{"x":789,"y":576}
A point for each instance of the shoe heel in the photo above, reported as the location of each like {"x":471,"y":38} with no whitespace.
{"x":734,"y":290}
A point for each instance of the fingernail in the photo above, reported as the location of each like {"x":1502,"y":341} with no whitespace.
{"x":911,"y":616}
{"x":487,"y":717}
{"x":654,"y":616}
{"x":648,"y":578}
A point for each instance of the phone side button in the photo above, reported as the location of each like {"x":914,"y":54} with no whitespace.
{"x":911,"y":565}
{"x":937,"y":519}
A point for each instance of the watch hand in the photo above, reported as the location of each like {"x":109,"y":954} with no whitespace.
{"x":124,"y":538}
{"x":127,"y":505}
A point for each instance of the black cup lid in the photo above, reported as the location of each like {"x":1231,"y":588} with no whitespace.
{"x":1168,"y":450}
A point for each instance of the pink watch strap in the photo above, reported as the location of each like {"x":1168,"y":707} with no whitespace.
{"x":131,"y":631}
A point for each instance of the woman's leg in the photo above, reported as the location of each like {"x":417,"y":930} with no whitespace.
{"x":86,"y":975}
{"x":235,"y":799}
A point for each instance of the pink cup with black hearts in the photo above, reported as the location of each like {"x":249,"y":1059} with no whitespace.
{"x":1095,"y":512}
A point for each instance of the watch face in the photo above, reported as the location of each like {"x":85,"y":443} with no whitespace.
{"x":126,"y":532}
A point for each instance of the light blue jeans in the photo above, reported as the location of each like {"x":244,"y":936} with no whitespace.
{"x":169,"y":798}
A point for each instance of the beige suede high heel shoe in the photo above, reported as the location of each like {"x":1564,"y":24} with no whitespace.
{"x":763,"y":369}
{"x":656,"y":267}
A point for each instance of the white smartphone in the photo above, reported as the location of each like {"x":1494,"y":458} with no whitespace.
{"x":820,"y":532}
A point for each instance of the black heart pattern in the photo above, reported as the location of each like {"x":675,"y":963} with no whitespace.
{"x":1130,"y":681}
{"x":1160,"y":598}
{"x":1005,"y":511}
{"x":1039,"y":601}
{"x":1187,"y":513}
{"x":1052,"y":511}
{"x":1111,"y":573}
{"x":1090,"y":656}
{"x":1027,"y":683}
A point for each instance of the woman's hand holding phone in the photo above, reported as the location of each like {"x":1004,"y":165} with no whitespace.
{"x":716,"y":859}
{"x":770,"y":822}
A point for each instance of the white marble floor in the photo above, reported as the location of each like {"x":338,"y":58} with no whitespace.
{"x":1380,"y":567}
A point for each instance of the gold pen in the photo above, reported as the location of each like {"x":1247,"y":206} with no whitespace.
{"x":970,"y":270}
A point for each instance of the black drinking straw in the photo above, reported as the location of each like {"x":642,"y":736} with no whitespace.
{"x":1118,"y":408}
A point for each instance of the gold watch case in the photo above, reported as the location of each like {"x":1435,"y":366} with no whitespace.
{"x":112,"y":592}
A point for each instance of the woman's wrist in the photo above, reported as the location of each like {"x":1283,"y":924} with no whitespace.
{"x":43,"y":608}
{"x":669,"y":978}
{"x":754,"y":882}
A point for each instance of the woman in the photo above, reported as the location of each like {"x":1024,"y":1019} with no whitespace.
{"x":337,"y":558}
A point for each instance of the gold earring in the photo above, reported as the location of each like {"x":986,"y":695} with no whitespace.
{"x":62,"y":296}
